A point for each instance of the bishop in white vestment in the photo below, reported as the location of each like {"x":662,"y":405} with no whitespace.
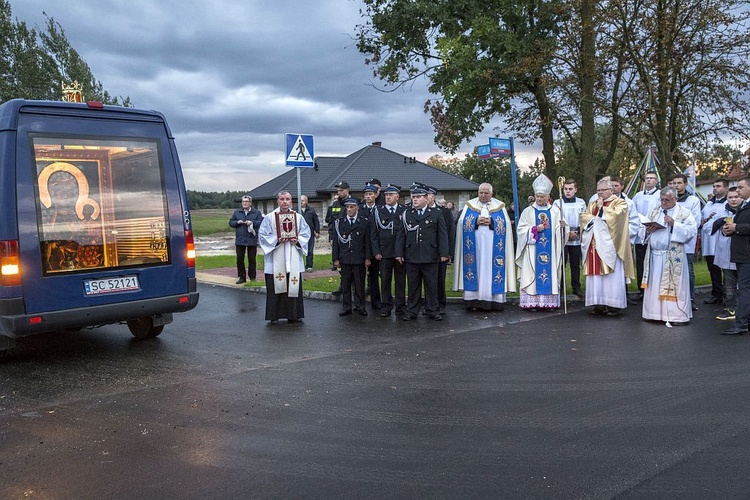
{"x":541,"y":236}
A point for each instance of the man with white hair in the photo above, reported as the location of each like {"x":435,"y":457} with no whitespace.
{"x":666,"y":280}
{"x":484,"y":268}
{"x":607,"y":257}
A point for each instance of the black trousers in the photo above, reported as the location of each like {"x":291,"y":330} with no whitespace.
{"x":441,"y":298}
{"x":640,"y":257}
{"x":573,"y":255}
{"x":373,"y":286}
{"x":717,"y":281}
{"x":310,"y":251}
{"x":353,"y":277}
{"x":392,"y":271}
{"x":418,"y":275}
{"x":743,"y":295}
{"x":251,"y":253}
{"x":280,"y":306}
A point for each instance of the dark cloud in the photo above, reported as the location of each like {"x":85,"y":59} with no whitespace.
{"x":233,"y":79}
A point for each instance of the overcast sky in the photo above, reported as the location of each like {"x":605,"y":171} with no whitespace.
{"x":232,"y":77}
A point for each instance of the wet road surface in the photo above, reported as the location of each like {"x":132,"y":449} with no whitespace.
{"x":502,"y":405}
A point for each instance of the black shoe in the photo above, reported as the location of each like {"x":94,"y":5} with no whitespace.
{"x":345,"y":313}
{"x":436,"y":317}
{"x":409,"y":317}
{"x":631,"y":302}
{"x":334,"y":268}
{"x":240,"y":281}
{"x":294,"y":321}
{"x":680,"y":323}
{"x":695,"y":308}
{"x":579,"y":294}
{"x":735,"y":330}
{"x":712,"y":300}
{"x":598,"y":311}
{"x":363,"y":312}
{"x":613,"y":312}
{"x":337,"y":292}
{"x":385,"y":314}
{"x":274,"y":321}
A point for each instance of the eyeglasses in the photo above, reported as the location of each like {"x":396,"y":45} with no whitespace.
{"x":603,"y":190}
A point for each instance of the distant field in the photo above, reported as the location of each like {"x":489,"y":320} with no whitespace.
{"x":211,"y":221}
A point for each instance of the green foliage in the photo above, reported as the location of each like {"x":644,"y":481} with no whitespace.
{"x":202,"y":199}
{"x":34,"y":64}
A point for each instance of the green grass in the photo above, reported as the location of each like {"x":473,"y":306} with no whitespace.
{"x":208,"y":222}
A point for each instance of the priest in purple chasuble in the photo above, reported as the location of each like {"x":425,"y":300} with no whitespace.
{"x":542,"y":232}
{"x":283,"y":236}
{"x":485,"y":269}
{"x":666,"y":280}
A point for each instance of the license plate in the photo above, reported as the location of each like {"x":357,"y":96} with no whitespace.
{"x":111,"y":285}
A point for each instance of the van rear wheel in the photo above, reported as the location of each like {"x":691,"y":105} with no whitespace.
{"x":143,"y":328}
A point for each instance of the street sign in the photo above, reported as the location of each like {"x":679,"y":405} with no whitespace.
{"x":483,"y":152}
{"x":499,"y":148}
{"x":299,"y":150}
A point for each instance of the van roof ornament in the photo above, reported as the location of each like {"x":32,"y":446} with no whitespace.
{"x":72,"y":92}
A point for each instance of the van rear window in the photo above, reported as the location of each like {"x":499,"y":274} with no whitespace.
{"x":100,"y":203}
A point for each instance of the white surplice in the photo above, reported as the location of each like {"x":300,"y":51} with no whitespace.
{"x":284,"y":258}
{"x":665,"y":273}
{"x":484,"y":239}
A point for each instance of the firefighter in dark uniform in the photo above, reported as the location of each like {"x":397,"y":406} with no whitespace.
{"x":451,"y":227}
{"x":336,"y":210}
{"x":386,"y":221}
{"x":367,"y":207}
{"x":351,"y":251}
{"x":379,"y":195}
{"x":422,"y":243}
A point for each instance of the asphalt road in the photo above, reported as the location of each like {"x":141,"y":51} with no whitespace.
{"x":505,"y":405}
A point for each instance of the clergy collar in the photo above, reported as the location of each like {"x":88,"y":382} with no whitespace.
{"x":683,"y":196}
{"x":568,"y":200}
{"x":720,"y":200}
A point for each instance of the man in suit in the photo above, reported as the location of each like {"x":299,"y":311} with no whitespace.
{"x":739,"y":252}
{"x":386,"y":222}
{"x":451,"y":228}
{"x":351,"y":251}
{"x":422,"y":243}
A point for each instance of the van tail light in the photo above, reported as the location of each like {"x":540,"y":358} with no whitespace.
{"x":10,"y":268}
{"x":190,"y":248}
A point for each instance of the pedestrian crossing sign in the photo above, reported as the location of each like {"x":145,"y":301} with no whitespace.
{"x":299,"y":150}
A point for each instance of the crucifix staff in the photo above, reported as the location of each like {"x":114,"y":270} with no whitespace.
{"x":560,"y":183}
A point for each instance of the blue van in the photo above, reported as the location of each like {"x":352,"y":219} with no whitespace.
{"x":94,"y":223}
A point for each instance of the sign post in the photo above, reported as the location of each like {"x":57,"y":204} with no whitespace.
{"x":300,"y":153}
{"x":500,"y":148}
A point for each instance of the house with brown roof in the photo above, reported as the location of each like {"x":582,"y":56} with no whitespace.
{"x":373,"y":161}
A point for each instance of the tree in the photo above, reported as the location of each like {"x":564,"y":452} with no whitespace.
{"x":479,"y":57}
{"x":34,"y":64}
{"x":689,"y":81}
